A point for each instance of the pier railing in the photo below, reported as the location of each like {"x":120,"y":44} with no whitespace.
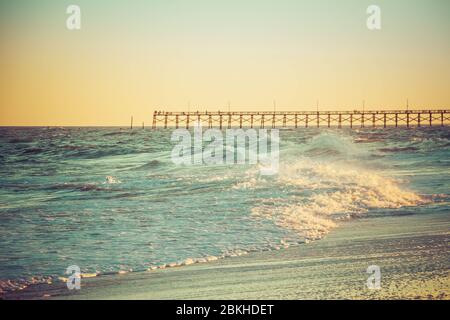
{"x":297,"y":119}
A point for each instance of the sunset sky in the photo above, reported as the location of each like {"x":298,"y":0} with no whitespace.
{"x":131,"y":57}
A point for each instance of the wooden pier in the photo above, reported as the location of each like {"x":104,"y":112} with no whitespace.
{"x":305,"y":119}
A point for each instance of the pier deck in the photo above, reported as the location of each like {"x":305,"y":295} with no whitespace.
{"x":297,"y":119}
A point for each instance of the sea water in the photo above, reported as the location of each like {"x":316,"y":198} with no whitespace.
{"x":111,"y":200}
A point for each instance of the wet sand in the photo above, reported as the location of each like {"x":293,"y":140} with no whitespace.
{"x":412,"y":251}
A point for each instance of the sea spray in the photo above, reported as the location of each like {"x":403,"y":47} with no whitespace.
{"x":334,"y":193}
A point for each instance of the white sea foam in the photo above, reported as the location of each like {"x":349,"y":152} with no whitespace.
{"x":323,"y":192}
{"x":332,"y":193}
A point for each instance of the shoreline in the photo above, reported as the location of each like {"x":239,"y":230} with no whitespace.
{"x":411,"y":250}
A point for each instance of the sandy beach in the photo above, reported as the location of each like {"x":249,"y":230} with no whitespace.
{"x":412,"y":252}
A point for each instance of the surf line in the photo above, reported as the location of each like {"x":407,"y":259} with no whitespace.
{"x":239,"y":146}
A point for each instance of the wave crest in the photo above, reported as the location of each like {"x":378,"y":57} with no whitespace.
{"x":324,"y":194}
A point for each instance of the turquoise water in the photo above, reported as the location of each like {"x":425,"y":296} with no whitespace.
{"x":110,"y":200}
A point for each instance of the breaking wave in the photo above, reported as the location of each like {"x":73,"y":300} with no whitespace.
{"x":321,"y":194}
{"x":336,"y":194}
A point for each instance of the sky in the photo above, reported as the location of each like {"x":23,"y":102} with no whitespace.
{"x":133,"y":57}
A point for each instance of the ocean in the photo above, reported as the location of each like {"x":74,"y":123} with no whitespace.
{"x":111,"y":200}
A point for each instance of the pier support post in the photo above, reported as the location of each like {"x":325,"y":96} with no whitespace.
{"x":220,"y":122}
{"x":240,"y":121}
{"x":165,"y":121}
{"x":251,"y":121}
{"x":373,"y":120}
{"x":418,"y":119}
{"x":340,"y":121}
{"x":384,"y":121}
{"x":318,"y":119}
{"x":210,"y":122}
{"x":396,"y":120}
{"x":284,"y":121}
{"x":306,"y":121}
{"x":362,"y":120}
{"x":176,"y":122}
{"x":296,"y":121}
{"x":262,"y":122}
{"x":273,"y":121}
{"x":407,"y":119}
{"x":229,"y":121}
{"x":154,"y":120}
{"x":351,"y":121}
{"x":187,"y":121}
{"x":329,"y":119}
{"x":442,"y":119}
{"x":431,"y":119}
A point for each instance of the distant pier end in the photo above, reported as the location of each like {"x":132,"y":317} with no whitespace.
{"x":305,"y":119}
